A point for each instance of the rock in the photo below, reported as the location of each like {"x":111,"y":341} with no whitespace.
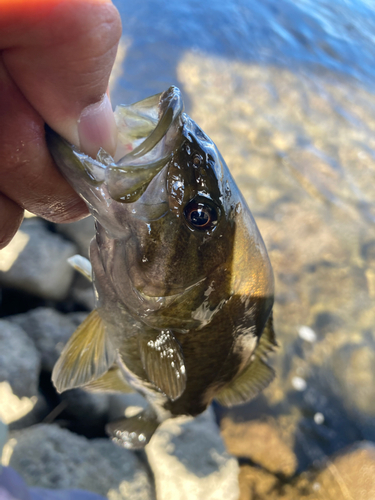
{"x":13,"y":407}
{"x":262,"y":443}
{"x":36,"y":262}
{"x":189,"y":461}
{"x":81,"y":232}
{"x":49,"y":457}
{"x":349,"y":474}
{"x":3,"y":435}
{"x":13,"y":487}
{"x":19,"y":360}
{"x":353,"y":368}
{"x":257,"y":484}
{"x":49,"y":329}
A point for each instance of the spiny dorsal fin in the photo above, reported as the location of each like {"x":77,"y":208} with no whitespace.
{"x":256,"y":376}
{"x":134,"y":432}
{"x":112,"y":381}
{"x":163,"y":362}
{"x":86,"y":357}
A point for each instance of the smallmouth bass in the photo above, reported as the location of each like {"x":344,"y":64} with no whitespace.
{"x":184,"y":286}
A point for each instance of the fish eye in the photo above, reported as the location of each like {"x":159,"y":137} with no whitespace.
{"x":201,"y":214}
{"x":197,"y":160}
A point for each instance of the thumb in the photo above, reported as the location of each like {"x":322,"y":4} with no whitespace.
{"x":60,"y":54}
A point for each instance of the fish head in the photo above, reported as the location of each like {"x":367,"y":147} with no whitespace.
{"x":172,"y":226}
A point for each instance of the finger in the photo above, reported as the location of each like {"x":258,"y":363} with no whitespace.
{"x":28,"y":175}
{"x":60,"y":53}
{"x":10,"y":220}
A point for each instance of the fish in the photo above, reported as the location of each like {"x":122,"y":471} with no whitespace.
{"x":184,"y":287}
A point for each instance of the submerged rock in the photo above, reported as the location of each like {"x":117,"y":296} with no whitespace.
{"x":255,"y":440}
{"x":50,"y":457}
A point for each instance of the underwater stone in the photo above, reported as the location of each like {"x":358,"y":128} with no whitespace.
{"x":255,"y":439}
{"x":50,"y":457}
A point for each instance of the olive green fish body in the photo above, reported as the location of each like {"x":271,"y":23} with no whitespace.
{"x":183,"y":282}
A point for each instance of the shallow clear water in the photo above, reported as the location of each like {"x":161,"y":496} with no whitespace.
{"x":285,"y":90}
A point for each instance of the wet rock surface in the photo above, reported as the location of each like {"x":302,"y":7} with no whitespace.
{"x":19,"y":360}
{"x":36,"y":262}
{"x":49,"y":329}
{"x":50,"y":457}
{"x":189,"y":460}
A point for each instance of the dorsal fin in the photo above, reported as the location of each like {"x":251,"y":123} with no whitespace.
{"x":112,"y":381}
{"x":256,"y":376}
{"x":163,"y":362}
{"x":87,"y":355}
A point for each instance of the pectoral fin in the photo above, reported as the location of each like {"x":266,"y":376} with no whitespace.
{"x":163,"y":362}
{"x":134,"y":432}
{"x":112,"y":381}
{"x":256,"y":376}
{"x":82,"y":265}
{"x":86,"y":357}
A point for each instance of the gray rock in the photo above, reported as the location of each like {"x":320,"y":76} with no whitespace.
{"x":81,"y":232}
{"x":50,"y":331}
{"x":189,"y":461}
{"x":19,"y":360}
{"x":50,"y":457}
{"x":37,"y":262}
{"x":83,"y":293}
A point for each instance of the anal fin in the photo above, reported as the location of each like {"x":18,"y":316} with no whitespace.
{"x":86,"y":357}
{"x":112,"y":381}
{"x":163,"y":362}
{"x":256,"y":376}
{"x":135,"y":432}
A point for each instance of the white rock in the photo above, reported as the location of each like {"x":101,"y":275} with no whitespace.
{"x":19,"y":360}
{"x":299,"y":384}
{"x":50,"y":457}
{"x":307,"y":333}
{"x":189,"y":461}
{"x":36,"y":262}
{"x":12,"y":407}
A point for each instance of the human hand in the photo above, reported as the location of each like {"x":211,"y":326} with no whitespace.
{"x":56,"y":58}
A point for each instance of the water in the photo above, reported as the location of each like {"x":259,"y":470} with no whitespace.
{"x":285,"y":89}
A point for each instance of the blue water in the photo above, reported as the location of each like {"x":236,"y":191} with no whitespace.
{"x":303,"y":35}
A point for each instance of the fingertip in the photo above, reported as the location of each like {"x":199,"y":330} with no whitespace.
{"x":10,"y":221}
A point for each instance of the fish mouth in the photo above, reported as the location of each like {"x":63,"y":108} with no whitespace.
{"x":148,"y":130}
